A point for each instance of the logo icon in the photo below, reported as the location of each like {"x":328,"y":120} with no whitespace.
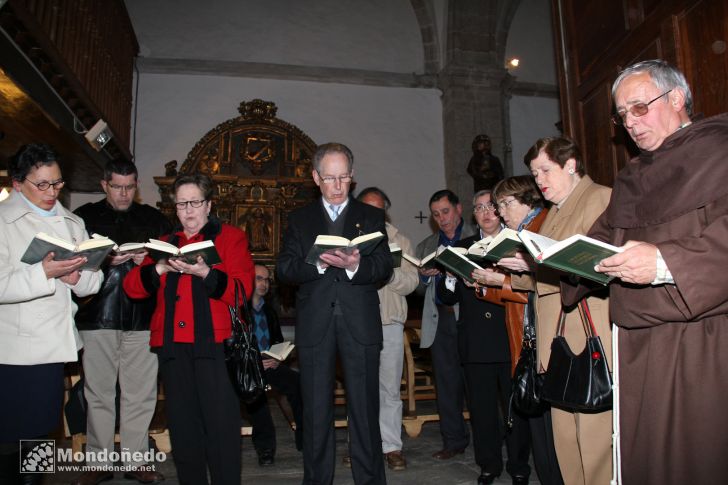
{"x":37,"y":456}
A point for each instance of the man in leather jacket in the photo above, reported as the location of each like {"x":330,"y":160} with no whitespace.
{"x":115,"y":329}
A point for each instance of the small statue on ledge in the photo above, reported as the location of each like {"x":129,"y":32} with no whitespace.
{"x":484,"y":167}
{"x":170,"y":169}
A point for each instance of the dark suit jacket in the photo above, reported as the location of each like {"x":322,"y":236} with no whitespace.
{"x":318,"y":293}
{"x":482,"y":336}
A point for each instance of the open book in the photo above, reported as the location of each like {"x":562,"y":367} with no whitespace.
{"x":327,"y":244}
{"x":576,"y":254}
{"x":396,"y":252}
{"x":163,"y":250}
{"x":457,"y":263}
{"x":427,"y":261}
{"x":95,"y":250}
{"x":279,"y":351}
{"x":130,"y":247}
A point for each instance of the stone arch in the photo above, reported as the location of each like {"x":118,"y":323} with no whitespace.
{"x":425,"y":13}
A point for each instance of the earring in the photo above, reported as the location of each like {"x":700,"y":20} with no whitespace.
{"x":571,"y":171}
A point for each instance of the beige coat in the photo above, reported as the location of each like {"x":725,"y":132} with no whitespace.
{"x":404,"y":280}
{"x":36,"y":313}
{"x":576,"y":216}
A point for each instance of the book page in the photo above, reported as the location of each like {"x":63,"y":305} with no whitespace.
{"x":327,"y":240}
{"x":162,"y":246}
{"x":56,"y":240}
{"x":99,"y":242}
{"x":558,"y":246}
{"x":196,"y":246}
{"x":536,"y":244}
{"x":279,"y":351}
{"x":366,"y":237}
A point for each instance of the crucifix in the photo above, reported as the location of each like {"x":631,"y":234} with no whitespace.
{"x":421,"y":217}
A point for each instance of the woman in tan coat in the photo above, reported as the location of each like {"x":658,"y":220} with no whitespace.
{"x":583,"y":441}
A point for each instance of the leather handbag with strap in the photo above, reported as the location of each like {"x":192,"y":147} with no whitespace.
{"x":242,"y":354}
{"x":580,"y":382}
{"x":527,"y":382}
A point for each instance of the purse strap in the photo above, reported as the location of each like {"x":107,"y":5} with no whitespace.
{"x":586,"y":320}
{"x":241,"y":301}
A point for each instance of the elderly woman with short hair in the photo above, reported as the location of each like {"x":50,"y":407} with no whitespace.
{"x":188,"y":327}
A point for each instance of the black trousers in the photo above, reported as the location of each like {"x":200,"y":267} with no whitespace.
{"x":449,"y":381}
{"x":361,"y":378}
{"x":285,"y":380}
{"x":544,"y":453}
{"x":488,"y":389}
{"x":203,"y":416}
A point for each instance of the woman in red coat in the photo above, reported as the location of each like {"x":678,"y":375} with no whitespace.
{"x":187,"y":329}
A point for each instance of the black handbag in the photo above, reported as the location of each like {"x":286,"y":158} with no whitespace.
{"x":527,"y":382}
{"x":242,"y":354}
{"x":578,"y":382}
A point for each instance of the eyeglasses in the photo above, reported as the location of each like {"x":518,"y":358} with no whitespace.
{"x":194,"y":203}
{"x":344,"y":179}
{"x":505,"y":204}
{"x":489,"y":207}
{"x":122,"y":188}
{"x":43,"y":186}
{"x":637,"y":110}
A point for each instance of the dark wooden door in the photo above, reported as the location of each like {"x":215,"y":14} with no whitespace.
{"x":596,"y":39}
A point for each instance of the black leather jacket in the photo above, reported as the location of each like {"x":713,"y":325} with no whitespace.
{"x":110,"y":308}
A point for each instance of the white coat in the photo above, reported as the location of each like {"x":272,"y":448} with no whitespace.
{"x":36,"y":313}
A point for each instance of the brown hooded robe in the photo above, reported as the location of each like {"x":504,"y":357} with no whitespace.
{"x":673,"y":378}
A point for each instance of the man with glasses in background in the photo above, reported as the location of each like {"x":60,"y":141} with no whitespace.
{"x":668,"y":301}
{"x":115,"y":329}
{"x":337,"y":309}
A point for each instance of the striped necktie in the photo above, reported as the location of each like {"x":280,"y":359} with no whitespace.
{"x":334,"y":211}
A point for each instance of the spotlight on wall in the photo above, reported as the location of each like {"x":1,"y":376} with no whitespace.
{"x":99,"y":135}
{"x":513,"y":63}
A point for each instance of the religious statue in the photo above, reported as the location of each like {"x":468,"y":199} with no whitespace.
{"x":484,"y":167}
{"x":170,"y":168}
{"x":258,"y":231}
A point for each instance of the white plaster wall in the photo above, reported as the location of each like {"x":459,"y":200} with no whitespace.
{"x":395,"y":133}
{"x":379,"y":35}
{"x":531,"y":118}
{"x":531,"y":40}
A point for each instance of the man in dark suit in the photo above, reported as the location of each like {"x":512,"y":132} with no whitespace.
{"x":337,"y":309}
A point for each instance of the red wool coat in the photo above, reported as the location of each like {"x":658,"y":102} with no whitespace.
{"x":232,"y":245}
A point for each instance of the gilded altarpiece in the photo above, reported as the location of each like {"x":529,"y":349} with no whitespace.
{"x":261,"y":167}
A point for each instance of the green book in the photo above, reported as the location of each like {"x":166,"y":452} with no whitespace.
{"x":577,"y":254}
{"x":504,"y":245}
{"x":164,"y":250}
{"x":328,"y":244}
{"x":457,"y":263}
{"x":95,"y":250}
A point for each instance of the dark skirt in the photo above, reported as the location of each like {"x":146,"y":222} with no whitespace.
{"x":31,"y":403}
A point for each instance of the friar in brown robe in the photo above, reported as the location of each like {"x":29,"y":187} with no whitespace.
{"x":670,"y":293}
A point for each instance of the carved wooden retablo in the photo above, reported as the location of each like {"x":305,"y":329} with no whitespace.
{"x":262,"y":169}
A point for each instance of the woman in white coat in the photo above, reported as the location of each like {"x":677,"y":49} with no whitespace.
{"x":37,"y":332}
